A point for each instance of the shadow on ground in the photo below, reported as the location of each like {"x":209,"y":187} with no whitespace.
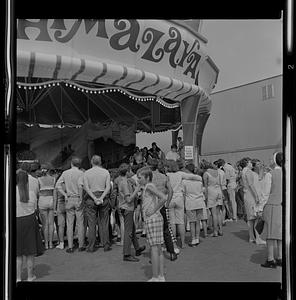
{"x":147,"y":271}
{"x":42,"y":270}
{"x":243,"y":235}
{"x":259,"y":256}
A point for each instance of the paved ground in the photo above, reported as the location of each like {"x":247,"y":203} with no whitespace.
{"x":222,"y":259}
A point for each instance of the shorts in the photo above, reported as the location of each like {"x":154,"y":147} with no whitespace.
{"x":154,"y":230}
{"x":194,"y":215}
{"x":45,"y":203}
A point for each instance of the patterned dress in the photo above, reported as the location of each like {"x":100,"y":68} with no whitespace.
{"x":154,"y":223}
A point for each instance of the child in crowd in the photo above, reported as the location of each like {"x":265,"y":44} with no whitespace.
{"x":152,"y":201}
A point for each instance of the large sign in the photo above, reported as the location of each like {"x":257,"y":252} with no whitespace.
{"x":157,"y":46}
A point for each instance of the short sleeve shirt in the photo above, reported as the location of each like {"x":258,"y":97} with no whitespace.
{"x":124,"y":190}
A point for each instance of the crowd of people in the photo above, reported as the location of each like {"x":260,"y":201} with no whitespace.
{"x":155,"y":195}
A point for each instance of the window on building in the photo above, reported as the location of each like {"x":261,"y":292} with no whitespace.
{"x":267,"y":92}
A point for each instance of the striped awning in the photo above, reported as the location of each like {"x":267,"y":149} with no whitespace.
{"x":41,"y":65}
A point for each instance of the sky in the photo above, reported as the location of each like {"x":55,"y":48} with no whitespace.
{"x":243,"y":50}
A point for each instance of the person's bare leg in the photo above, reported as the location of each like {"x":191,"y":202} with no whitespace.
{"x":219,"y":218}
{"x":197,"y":231}
{"x":30,"y":267}
{"x":161,"y":261}
{"x":278,"y":244}
{"x":181,"y":230}
{"x":215,"y":220}
{"x":251,"y":230}
{"x":270,"y":249}
{"x":223,"y":213}
{"x":50,"y":227}
{"x":44,"y":219}
{"x":155,"y":261}
{"x":19,"y":264}
{"x":205,"y":227}
{"x":192,"y":231}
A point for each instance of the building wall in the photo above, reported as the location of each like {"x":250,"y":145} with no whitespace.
{"x":243,"y":124}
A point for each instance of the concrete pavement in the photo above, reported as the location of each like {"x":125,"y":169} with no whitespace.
{"x":229,"y":258}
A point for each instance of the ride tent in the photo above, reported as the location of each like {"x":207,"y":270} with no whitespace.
{"x":82,"y":80}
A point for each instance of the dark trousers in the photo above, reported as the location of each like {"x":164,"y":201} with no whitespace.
{"x":239,"y":197}
{"x":167,"y":231}
{"x":97,"y":213}
{"x":130,"y":236}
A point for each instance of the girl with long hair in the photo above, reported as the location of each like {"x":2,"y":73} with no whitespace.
{"x":29,"y":243}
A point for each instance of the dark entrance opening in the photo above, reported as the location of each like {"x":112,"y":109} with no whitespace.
{"x":112,"y":153}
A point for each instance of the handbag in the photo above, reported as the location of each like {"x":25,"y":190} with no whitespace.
{"x":260,"y":225}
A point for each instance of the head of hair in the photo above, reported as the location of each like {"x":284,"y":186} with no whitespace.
{"x":216,"y":163}
{"x":179,"y":138}
{"x":135,"y":168}
{"x":22,"y":184}
{"x":244,"y":161}
{"x":96,"y":160}
{"x":153,"y":163}
{"x":172,"y":166}
{"x":46,"y":166}
{"x":174,"y":146}
{"x":161,"y":167}
{"x":254,"y":162}
{"x":181,"y":164}
{"x":200,"y":171}
{"x":25,"y":166}
{"x":221,"y":161}
{"x":279,"y":158}
{"x":206,"y":165}
{"x":34,"y":167}
{"x":76,"y":161}
{"x":190,"y":167}
{"x":146,"y":172}
{"x":123,"y":169}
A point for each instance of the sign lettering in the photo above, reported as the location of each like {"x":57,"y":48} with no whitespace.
{"x":152,"y":44}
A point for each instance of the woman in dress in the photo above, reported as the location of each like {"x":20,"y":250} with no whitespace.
{"x":29,"y":243}
{"x":46,"y":204}
{"x":176,"y":207}
{"x":262,"y":183}
{"x":213,"y":196}
{"x":251,"y":197}
{"x":272,"y":215}
{"x":194,"y":205}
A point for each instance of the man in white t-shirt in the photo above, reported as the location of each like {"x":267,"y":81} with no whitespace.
{"x":73,"y":202}
{"x":96,"y":182}
{"x":173,"y":154}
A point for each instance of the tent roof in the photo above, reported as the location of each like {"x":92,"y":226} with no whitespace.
{"x":62,"y":104}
